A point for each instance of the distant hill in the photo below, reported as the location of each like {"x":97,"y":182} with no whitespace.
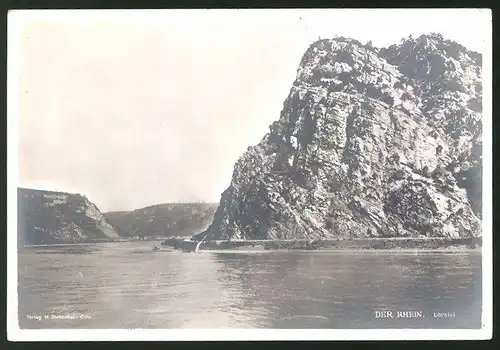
{"x":170,"y":219}
{"x":47,"y":217}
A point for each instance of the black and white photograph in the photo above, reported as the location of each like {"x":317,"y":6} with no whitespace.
{"x":240,"y":174}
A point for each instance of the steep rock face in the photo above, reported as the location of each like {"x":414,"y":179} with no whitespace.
{"x":170,"y":219}
{"x":449,"y":77}
{"x":46,"y":217}
{"x":370,"y":142}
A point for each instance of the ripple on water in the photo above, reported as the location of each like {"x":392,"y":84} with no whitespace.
{"x":122,"y":286}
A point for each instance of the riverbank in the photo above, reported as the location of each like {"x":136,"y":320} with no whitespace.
{"x":94,"y":241}
{"x":397,"y":243}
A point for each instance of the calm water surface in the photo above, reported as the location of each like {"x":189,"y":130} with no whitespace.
{"x":127,"y":285}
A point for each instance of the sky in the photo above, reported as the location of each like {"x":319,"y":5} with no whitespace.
{"x":135,"y":108}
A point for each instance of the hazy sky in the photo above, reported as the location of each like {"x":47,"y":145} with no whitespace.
{"x":134,"y":108}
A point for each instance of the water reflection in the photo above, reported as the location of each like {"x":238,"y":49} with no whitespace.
{"x":126,"y":285}
{"x":303,"y":290}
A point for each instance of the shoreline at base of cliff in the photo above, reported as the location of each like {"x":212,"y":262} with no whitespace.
{"x":87,"y":242}
{"x":452,"y":250}
{"x":362,"y":244}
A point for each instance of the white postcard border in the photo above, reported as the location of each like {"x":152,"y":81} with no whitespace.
{"x":14,"y":333}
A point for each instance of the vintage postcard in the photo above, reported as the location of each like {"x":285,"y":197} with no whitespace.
{"x":251,"y":174}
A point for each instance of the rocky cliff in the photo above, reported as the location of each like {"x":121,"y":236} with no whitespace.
{"x":170,"y":219}
{"x":370,"y":143}
{"x":46,"y":217}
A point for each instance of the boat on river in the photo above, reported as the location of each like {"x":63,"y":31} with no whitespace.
{"x":186,"y":245}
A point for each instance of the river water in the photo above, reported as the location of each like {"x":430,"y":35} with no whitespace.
{"x":127,"y":285}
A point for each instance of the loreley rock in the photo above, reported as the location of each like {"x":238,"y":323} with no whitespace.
{"x":370,"y":143}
